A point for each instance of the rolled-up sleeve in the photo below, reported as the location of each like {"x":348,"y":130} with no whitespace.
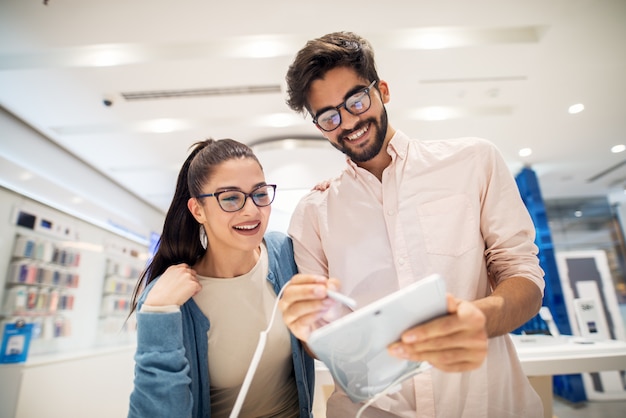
{"x":506,"y":225}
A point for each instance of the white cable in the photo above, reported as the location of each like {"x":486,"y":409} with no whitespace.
{"x":256,"y":358}
{"x":422,"y":368}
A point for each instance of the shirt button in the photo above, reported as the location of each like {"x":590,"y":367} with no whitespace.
{"x":391,"y":212}
{"x":401,"y":261}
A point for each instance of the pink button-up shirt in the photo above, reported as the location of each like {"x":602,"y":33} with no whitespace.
{"x":450,"y":207}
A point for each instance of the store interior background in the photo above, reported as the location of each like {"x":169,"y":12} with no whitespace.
{"x":100,"y":101}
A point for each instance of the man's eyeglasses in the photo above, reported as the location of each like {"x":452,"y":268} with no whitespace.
{"x":360,"y":102}
{"x":234,"y":200}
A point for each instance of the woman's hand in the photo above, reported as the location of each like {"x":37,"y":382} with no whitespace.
{"x":175,"y":286}
{"x":322,"y":185}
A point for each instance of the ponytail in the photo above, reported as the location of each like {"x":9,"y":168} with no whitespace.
{"x":179,"y":242}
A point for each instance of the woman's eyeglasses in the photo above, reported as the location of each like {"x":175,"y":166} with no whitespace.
{"x":360,"y":102}
{"x":234,"y":200}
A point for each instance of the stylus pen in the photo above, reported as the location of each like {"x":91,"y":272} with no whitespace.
{"x":348,"y":301}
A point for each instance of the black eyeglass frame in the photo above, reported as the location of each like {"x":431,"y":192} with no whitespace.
{"x":245,"y":197}
{"x":364,"y":91}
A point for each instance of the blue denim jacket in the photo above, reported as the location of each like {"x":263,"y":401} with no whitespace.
{"x":171,"y":361}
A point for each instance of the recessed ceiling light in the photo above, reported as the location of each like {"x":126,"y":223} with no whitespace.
{"x":438,"y":113}
{"x":434,"y":113}
{"x":455,"y":37}
{"x":618,"y":148}
{"x":577,"y":108}
{"x":279,"y":120}
{"x":106,"y":55}
{"x":525,"y":152}
{"x":260,"y":47}
{"x":106,"y":59}
{"x":164,"y":125}
{"x":26,"y":175}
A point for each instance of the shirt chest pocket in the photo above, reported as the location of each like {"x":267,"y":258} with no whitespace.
{"x":449,"y":225}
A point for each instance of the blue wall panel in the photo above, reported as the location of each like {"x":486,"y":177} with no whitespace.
{"x":569,"y":387}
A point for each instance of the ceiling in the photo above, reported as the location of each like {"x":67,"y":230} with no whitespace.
{"x":128,"y":86}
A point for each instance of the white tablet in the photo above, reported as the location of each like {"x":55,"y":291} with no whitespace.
{"x":354,"y":347}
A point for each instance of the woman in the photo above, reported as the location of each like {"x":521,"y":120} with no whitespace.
{"x":211,"y":289}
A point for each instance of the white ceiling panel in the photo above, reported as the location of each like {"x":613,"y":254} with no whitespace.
{"x":501,"y":69}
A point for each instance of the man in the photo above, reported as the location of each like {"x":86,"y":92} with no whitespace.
{"x":401,"y":210}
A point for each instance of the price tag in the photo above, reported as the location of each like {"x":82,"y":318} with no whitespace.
{"x":15,"y":342}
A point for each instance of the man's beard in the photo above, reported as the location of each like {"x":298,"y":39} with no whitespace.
{"x":361,"y":155}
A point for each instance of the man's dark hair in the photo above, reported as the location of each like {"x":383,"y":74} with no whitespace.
{"x":338,"y":49}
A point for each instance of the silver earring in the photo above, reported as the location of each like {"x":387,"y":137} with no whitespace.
{"x":204,"y":240}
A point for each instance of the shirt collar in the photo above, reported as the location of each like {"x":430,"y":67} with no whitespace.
{"x":399,"y":145}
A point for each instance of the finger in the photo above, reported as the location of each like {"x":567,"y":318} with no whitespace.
{"x":453,"y":359}
{"x":466,"y":340}
{"x":302,"y":321}
{"x":333,"y":284}
{"x":295,"y":291}
{"x":444,"y":352}
{"x":181,"y":266}
{"x":198,"y":287}
{"x":451,"y":303}
{"x":302,"y":317}
{"x":294,"y":309}
{"x":458,"y":365}
{"x":301,"y":278}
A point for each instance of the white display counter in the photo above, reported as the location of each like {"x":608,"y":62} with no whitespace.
{"x":546,"y":355}
{"x":542,"y":356}
{"x":94,"y":383}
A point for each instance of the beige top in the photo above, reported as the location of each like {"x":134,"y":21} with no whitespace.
{"x":239,"y":309}
{"x":449,"y":207}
